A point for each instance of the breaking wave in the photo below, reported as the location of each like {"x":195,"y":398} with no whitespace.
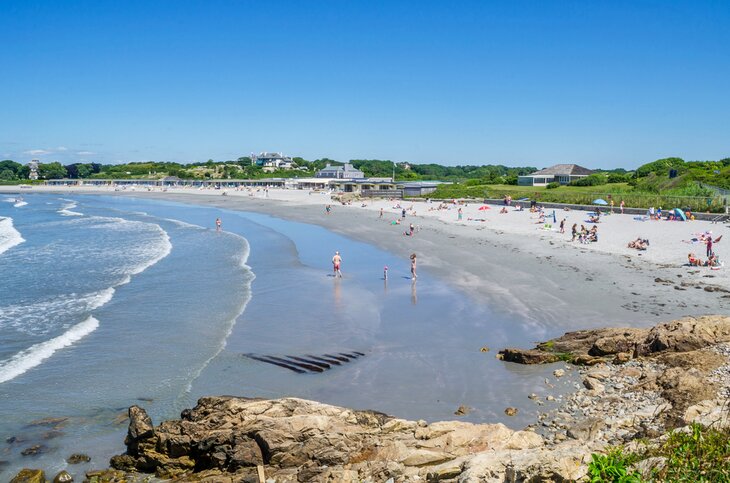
{"x":36,"y":354}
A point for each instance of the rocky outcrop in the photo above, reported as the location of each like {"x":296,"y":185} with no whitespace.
{"x":589,"y":347}
{"x":297,"y":440}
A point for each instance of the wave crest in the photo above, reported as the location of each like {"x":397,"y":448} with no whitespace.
{"x":29,"y":358}
{"x":9,"y":236}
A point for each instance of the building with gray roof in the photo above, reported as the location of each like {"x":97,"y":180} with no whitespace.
{"x":560,"y":173}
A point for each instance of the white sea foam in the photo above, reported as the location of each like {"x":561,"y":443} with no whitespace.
{"x":29,"y":358}
{"x":66,"y":209}
{"x":40,"y":316}
{"x":20,"y":203}
{"x":9,"y":236}
{"x":184,"y":224}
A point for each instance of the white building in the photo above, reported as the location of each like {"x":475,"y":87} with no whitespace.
{"x":33,"y":165}
{"x":272,"y":161}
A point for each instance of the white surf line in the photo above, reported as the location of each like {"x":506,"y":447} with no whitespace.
{"x":232,"y":322}
{"x":36,"y":354}
{"x":29,"y":358}
{"x":66,"y":209}
{"x":9,"y":236}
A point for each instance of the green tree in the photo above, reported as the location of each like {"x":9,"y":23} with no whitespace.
{"x":53,"y":170}
{"x":11,"y":165}
{"x":7,"y":174}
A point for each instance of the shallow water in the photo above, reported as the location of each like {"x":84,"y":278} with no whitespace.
{"x":114,"y":301}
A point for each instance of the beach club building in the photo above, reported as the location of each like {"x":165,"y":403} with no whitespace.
{"x":560,"y":173}
{"x":347,"y":171}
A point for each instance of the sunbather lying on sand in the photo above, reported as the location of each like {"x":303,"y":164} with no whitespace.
{"x":639,"y":244}
{"x":693,"y":260}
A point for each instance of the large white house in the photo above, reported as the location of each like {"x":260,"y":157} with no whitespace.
{"x":560,"y":173}
{"x":272,"y":161}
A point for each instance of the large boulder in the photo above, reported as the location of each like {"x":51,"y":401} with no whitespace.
{"x":687,"y":334}
{"x":140,"y":429}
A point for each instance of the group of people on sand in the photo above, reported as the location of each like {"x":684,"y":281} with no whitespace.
{"x":337,"y":266}
{"x":713,"y":261}
{"x":584,"y":235}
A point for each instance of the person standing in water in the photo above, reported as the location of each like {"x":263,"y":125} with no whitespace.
{"x":413,"y":267}
{"x":218,"y":224}
{"x":336,"y":262}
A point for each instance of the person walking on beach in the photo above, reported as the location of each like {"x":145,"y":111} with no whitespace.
{"x":574,"y":231}
{"x":403,"y":213}
{"x":381,"y":213}
{"x":622,"y":207}
{"x":336,"y":262}
{"x":218,"y":224}
{"x":460,"y":213}
{"x":562,"y":225}
{"x":413,"y":267}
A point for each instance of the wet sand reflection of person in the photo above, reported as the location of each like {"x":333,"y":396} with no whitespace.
{"x":337,"y":295}
{"x":414,"y":295}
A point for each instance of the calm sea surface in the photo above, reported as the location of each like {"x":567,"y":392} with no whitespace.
{"x":107,"y":302}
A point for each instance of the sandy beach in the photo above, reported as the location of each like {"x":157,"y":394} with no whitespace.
{"x":510,"y":260}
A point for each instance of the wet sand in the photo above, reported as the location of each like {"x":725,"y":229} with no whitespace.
{"x":509,"y":261}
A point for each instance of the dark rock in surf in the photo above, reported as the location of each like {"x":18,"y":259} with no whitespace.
{"x":77,"y":458}
{"x":27,"y":475}
{"x":63,"y":477}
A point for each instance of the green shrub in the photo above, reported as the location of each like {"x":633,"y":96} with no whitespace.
{"x":595,"y":179}
{"x":703,"y":454}
{"x":613,"y":467}
{"x":553,"y":185}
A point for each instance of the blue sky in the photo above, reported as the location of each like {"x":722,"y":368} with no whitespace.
{"x":602,"y":84}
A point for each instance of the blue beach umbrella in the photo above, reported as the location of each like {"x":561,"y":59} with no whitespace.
{"x":680,"y":214}
{"x":600,"y":201}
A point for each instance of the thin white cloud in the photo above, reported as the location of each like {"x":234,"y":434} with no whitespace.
{"x":62,"y":148}
{"x":85,"y":153}
{"x":37,"y":152}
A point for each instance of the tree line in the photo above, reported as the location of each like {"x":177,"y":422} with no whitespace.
{"x":652,"y":176}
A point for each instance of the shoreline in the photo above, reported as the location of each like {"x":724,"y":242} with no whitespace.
{"x":516,"y":267}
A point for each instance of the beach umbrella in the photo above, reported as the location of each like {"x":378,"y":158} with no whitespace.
{"x":600,"y":201}
{"x":482,"y":208}
{"x":680,"y":214}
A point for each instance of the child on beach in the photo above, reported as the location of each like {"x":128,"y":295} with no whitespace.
{"x":218,"y":224}
{"x":413,"y":267}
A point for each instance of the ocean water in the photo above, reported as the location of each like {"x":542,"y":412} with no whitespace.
{"x":107,"y":302}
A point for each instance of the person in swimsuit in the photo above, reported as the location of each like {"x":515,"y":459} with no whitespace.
{"x":336,"y":262}
{"x":413,"y":267}
{"x":218,"y":224}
